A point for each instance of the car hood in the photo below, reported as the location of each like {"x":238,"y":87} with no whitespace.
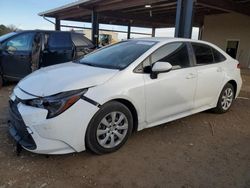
{"x":64,"y":77}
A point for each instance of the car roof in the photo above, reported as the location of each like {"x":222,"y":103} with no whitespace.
{"x":165,"y":39}
{"x":47,"y":31}
{"x":171,"y":39}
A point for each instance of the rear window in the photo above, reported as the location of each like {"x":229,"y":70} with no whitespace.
{"x":203,"y":54}
{"x":60,"y":40}
{"x":80,"y":40}
{"x":218,"y":57}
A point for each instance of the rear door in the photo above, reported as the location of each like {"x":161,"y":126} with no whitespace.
{"x":58,"y":48}
{"x":16,"y":56}
{"x":209,"y":66}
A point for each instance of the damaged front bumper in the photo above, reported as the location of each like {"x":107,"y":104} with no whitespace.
{"x":18,"y":130}
{"x":62,"y":134}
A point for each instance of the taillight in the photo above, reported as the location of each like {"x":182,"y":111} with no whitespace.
{"x":238,"y":66}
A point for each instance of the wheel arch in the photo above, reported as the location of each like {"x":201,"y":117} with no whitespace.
{"x":234,"y":84}
{"x":132,"y":109}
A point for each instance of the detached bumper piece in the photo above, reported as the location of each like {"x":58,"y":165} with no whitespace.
{"x":18,"y":129}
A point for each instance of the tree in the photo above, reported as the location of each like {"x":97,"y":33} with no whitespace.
{"x":7,"y":29}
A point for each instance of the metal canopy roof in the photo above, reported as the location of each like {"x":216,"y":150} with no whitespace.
{"x":159,"y":13}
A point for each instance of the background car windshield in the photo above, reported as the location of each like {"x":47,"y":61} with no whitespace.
{"x":117,"y":56}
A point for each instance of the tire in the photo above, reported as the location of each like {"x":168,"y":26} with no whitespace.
{"x":225,"y":100}
{"x":109,"y":129}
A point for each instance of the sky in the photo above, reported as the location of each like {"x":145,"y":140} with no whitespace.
{"x":24,"y":15}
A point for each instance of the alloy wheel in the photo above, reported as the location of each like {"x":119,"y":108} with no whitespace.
{"x":112,"y":129}
{"x":227,"y":99}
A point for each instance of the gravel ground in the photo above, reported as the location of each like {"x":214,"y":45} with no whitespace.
{"x":203,"y":150}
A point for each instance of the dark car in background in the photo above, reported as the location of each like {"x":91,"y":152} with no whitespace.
{"x":23,"y":52}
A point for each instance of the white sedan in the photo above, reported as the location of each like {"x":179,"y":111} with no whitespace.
{"x":99,"y":100}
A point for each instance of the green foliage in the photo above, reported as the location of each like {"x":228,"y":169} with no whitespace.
{"x":7,"y":29}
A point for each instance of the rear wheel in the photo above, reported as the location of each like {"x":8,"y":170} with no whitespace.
{"x":226,"y":99}
{"x":110,"y":128}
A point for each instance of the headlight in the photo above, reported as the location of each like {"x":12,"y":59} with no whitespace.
{"x":57,"y":104}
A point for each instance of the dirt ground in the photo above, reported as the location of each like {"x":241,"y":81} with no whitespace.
{"x":203,"y":150}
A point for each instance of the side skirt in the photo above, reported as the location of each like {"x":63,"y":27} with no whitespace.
{"x":175,"y":117}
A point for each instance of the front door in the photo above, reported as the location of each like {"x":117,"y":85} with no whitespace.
{"x":16,"y":56}
{"x":172,"y":93}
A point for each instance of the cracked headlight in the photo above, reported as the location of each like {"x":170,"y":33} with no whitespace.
{"x":57,"y":104}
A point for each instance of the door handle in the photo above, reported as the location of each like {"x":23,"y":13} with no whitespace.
{"x":190,"y":76}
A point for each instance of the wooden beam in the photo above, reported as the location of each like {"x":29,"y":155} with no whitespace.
{"x":226,"y":6}
{"x":75,"y":13}
{"x":126,"y":4}
{"x":141,"y":18}
{"x":164,"y":5}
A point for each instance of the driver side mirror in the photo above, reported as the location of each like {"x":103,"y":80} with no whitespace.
{"x":160,"y":67}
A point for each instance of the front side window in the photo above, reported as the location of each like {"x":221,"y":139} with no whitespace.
{"x":174,"y":53}
{"x":117,"y":56}
{"x":203,"y":54}
{"x":22,"y":42}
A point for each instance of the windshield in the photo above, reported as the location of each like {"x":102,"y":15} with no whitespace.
{"x":117,"y":56}
{"x":3,"y":37}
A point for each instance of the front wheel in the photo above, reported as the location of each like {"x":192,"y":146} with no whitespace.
{"x":226,"y":99}
{"x":109,"y":129}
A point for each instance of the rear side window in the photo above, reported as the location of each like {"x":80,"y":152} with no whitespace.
{"x":174,"y":53}
{"x":218,"y":57}
{"x":203,"y":54}
{"x":80,"y":40}
{"x":60,"y":40}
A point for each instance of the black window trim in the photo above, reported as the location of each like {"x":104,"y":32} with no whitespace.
{"x":191,"y":60}
{"x":211,"y":48}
